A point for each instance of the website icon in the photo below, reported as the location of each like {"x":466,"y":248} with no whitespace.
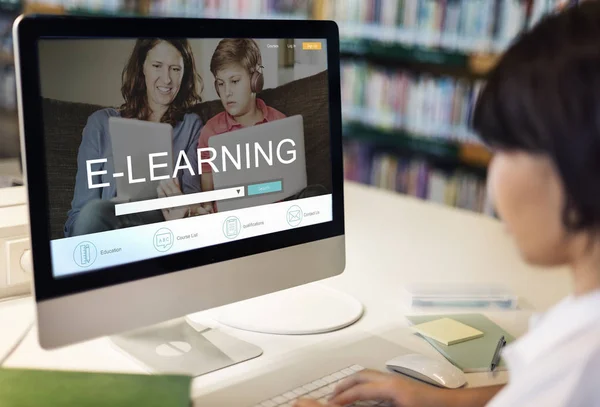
{"x":232,"y":227}
{"x":294,"y":215}
{"x":85,"y":254}
{"x":163,"y":239}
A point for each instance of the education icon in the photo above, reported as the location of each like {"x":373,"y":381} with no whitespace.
{"x":85,"y":254}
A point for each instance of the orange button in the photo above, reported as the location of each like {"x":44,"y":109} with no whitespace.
{"x":311,"y":45}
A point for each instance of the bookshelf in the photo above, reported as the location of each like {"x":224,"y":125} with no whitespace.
{"x":392,"y":53}
{"x":460,"y":154}
{"x":436,"y":55}
{"x":411,"y":72}
{"x":9,"y":128}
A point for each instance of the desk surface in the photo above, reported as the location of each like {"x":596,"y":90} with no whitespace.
{"x":391,"y":240}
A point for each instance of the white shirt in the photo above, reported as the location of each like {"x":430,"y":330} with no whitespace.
{"x":557,"y":363}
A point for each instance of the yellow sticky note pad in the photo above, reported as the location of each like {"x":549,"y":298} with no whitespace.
{"x":448,"y":331}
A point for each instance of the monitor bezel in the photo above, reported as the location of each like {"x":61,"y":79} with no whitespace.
{"x":29,"y":29}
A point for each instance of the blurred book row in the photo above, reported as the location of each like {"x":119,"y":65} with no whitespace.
{"x":232,"y":8}
{"x":417,"y":103}
{"x":466,"y":25}
{"x":415,"y":177}
{"x":8,"y":93}
{"x":190,"y":8}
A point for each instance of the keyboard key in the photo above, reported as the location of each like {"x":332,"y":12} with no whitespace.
{"x":339,"y":375}
{"x":314,"y":395}
{"x":319,"y":393}
{"x":320,"y":383}
{"x":348,"y":371}
{"x":329,"y":388}
{"x":310,"y":387}
{"x":329,"y":379}
{"x":290,"y":395}
{"x":300,"y":391}
{"x":279,"y":400}
{"x":268,"y":403}
{"x":357,"y":368}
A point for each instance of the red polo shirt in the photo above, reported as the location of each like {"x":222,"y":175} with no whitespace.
{"x":224,"y":123}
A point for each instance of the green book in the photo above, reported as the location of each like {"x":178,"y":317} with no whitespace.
{"x":474,"y":355}
{"x":49,"y":388}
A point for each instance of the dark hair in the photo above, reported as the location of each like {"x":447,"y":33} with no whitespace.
{"x":243,"y":51}
{"x":133,"y":86}
{"x":543,"y":97}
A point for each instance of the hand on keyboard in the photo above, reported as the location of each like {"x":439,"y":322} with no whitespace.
{"x":318,"y":392}
{"x":374,"y":388}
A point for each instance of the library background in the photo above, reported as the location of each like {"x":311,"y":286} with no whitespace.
{"x":411,"y":71}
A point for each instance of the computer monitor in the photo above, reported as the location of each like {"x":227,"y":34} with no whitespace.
{"x":248,"y":186}
{"x":177,"y":165}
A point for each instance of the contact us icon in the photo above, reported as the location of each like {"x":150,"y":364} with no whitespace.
{"x":294,"y":215}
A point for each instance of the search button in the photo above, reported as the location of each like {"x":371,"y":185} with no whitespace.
{"x":264,"y":188}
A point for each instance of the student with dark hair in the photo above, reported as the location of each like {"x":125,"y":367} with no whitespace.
{"x":159,"y":84}
{"x":540,"y":112}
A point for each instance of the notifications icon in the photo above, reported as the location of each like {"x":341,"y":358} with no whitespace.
{"x":163,"y":239}
{"x":294,"y":215}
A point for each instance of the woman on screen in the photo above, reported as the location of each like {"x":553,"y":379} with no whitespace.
{"x":159,"y":84}
{"x":540,"y":111}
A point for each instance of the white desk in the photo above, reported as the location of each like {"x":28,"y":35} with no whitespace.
{"x":391,"y":240}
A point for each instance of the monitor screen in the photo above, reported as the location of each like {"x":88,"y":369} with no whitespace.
{"x":161,"y":146}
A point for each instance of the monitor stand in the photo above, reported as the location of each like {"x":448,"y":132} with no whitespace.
{"x":182,"y":346}
{"x":308,"y":309}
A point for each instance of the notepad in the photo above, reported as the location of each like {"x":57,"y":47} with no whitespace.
{"x":470,"y":356}
{"x":448,"y":331}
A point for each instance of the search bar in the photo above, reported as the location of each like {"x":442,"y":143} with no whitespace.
{"x":179,"y":200}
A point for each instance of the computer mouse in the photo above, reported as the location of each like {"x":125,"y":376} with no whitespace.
{"x":433,"y":371}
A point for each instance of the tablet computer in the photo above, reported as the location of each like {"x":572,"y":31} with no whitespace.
{"x":142,"y":157}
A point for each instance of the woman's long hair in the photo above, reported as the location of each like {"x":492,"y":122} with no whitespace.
{"x":133,"y":86}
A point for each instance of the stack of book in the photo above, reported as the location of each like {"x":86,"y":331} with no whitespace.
{"x":416,"y":177}
{"x":417,"y":103}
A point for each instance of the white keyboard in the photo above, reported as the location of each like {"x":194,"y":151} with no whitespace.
{"x":319,"y":389}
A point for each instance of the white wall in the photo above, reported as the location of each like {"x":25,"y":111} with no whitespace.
{"x":89,"y":71}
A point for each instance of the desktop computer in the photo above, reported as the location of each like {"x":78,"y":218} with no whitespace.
{"x":178,"y":165}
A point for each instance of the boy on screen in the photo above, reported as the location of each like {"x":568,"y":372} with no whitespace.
{"x":236,"y":66}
